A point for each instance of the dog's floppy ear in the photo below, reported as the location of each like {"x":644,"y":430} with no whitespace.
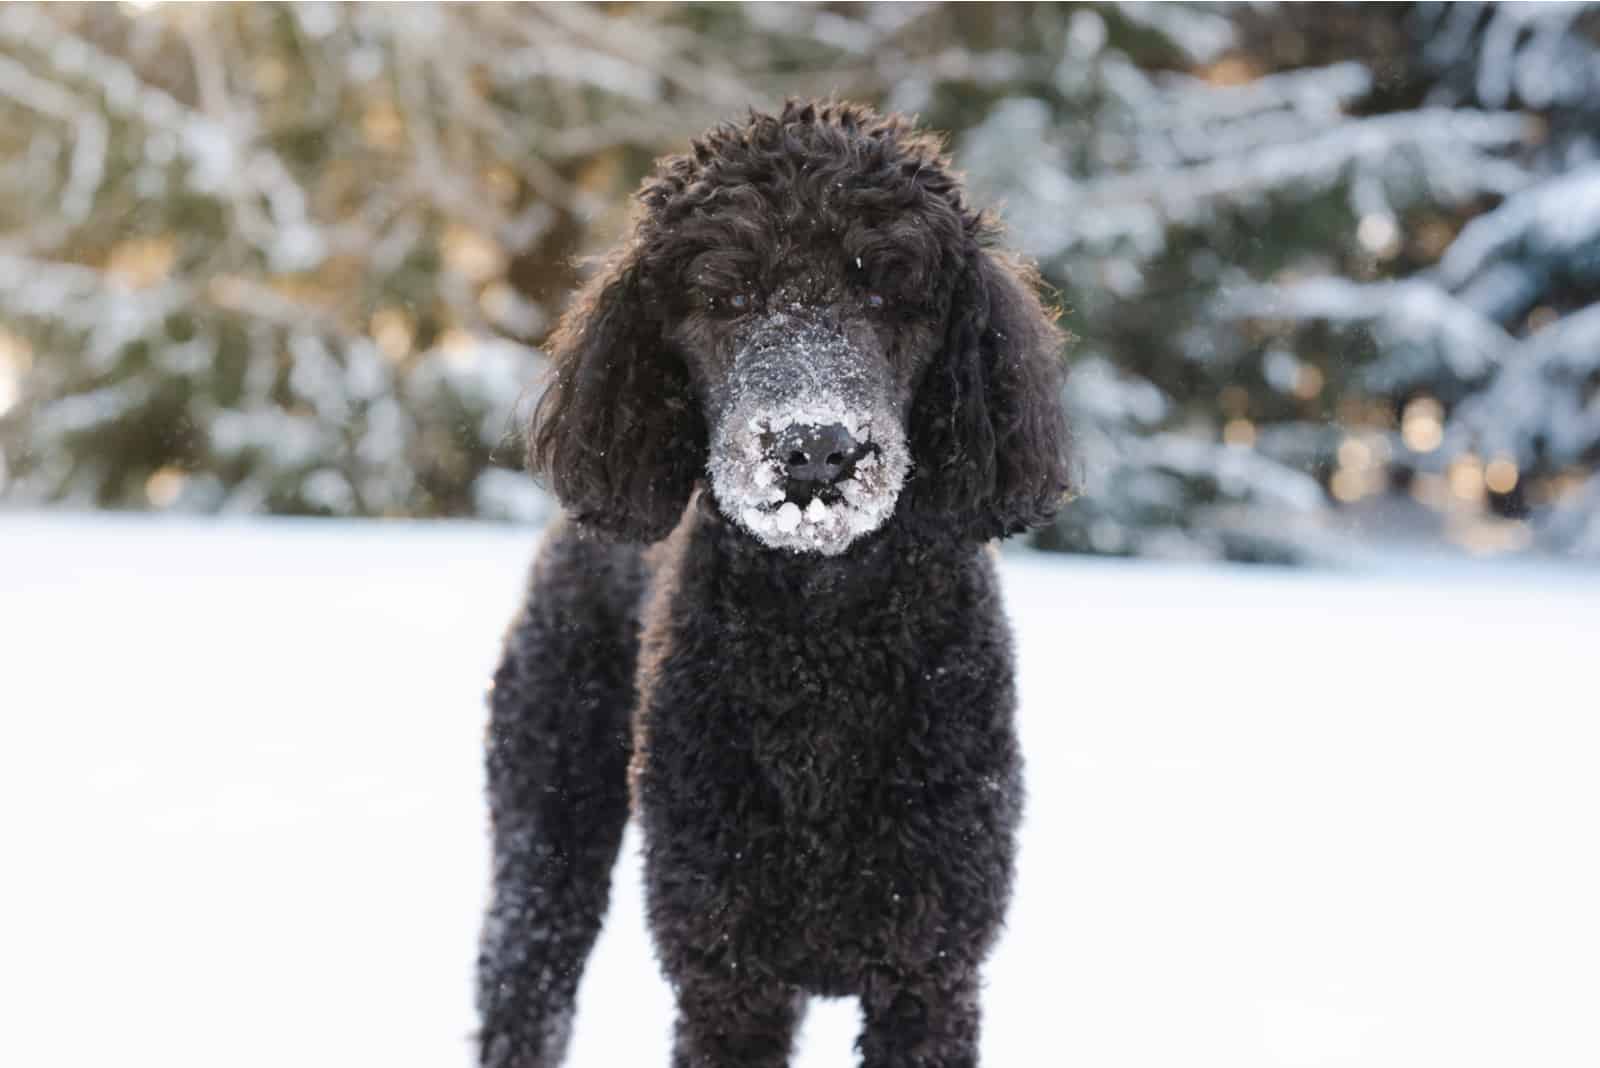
{"x":617,"y":433}
{"x":988,"y":434}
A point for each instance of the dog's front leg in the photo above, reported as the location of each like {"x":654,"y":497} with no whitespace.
{"x":736,"y":1021}
{"x":920,"y":1022}
{"x":557,"y":760}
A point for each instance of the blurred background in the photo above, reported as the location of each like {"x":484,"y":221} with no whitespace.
{"x":1334,"y":277}
{"x":1332,"y":270}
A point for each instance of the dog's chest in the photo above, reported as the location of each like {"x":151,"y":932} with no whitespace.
{"x":822,"y":708}
{"x":824,"y":779}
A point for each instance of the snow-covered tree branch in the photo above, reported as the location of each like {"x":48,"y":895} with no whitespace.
{"x":298,"y":258}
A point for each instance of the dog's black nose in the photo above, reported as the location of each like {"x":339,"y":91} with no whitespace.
{"x":819,"y":455}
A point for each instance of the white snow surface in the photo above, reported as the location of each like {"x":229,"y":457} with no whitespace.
{"x":1276,"y":818}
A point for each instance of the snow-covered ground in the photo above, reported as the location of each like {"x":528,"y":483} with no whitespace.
{"x":1277,"y":818}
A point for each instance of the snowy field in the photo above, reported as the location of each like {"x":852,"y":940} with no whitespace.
{"x":1276,"y":818}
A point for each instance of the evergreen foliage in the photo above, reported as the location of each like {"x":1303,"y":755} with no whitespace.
{"x":1320,"y":262}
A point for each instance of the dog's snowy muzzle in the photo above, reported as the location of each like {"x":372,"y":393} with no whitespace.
{"x":807,"y":454}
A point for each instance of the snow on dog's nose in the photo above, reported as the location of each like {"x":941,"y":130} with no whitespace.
{"x":808,"y":455}
{"x":756,"y":483}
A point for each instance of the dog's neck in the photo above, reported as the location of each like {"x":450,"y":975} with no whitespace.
{"x":894,"y":557}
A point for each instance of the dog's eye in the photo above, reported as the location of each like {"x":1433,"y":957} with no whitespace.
{"x":728,"y":307}
{"x":875,"y":301}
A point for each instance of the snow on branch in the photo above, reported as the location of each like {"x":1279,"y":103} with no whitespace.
{"x":1445,"y":152}
{"x":89,"y":133}
{"x":86,"y":300}
{"x":1443,"y":141}
{"x":1096,"y":391}
{"x":1525,"y":54}
{"x":1311,"y":93}
{"x":1555,"y":224}
{"x":1425,"y":330}
{"x":1237,"y":473}
{"x":1576,"y":526}
{"x":1538,"y":410}
{"x":1200,"y":32}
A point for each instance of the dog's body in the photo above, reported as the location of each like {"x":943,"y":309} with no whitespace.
{"x":812,"y":676}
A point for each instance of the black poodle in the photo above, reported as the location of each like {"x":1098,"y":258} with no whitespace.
{"x":808,"y":368}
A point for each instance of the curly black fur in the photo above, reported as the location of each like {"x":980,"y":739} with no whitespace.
{"x":823,"y":755}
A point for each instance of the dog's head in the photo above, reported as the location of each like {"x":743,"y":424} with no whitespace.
{"x":807,"y":316}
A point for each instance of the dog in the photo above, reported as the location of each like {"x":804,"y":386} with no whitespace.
{"x":783,"y":422}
